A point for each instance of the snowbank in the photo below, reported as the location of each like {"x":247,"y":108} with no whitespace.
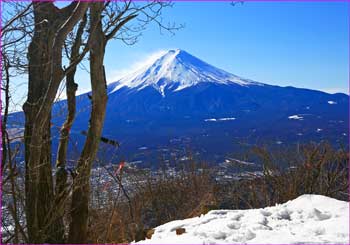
{"x":307,"y":219}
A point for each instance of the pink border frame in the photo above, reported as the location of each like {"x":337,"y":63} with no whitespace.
{"x":182,"y":1}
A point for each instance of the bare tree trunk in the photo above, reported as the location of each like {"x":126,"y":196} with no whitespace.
{"x":6,"y":89}
{"x":39,"y":55}
{"x":14,"y":209}
{"x":61,"y":172}
{"x":81,"y":183}
{"x":45,"y":75}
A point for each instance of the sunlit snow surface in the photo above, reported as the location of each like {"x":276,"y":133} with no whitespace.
{"x":177,"y":70}
{"x":296,"y":117}
{"x":307,"y":219}
{"x":331,"y":102}
{"x":219,"y":119}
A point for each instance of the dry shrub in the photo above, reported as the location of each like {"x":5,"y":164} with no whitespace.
{"x":153,"y":201}
{"x":314,"y":169}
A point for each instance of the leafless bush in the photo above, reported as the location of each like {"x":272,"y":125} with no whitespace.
{"x":137,"y":200}
{"x":314,"y":169}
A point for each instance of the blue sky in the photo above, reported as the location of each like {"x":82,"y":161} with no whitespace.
{"x":302,"y":44}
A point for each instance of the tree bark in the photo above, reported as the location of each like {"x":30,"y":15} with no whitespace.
{"x":81,"y":183}
{"x":61,"y":172}
{"x":39,"y":56}
{"x":6,"y":89}
{"x":45,"y":74}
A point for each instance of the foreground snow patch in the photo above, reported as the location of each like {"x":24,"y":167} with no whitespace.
{"x":307,"y":219}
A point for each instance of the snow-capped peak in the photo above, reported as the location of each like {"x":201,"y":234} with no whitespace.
{"x":176,"y":70}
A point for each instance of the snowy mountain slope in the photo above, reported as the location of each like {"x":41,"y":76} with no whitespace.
{"x":177,"y":70}
{"x":172,"y":103}
{"x":307,"y":219}
{"x":178,"y":85}
{"x":173,"y":96}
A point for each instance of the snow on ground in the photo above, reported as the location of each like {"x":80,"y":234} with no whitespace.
{"x":296,"y":117}
{"x":220,"y":119}
{"x":332,"y":102}
{"x":233,"y":160}
{"x":307,"y":219}
{"x":227,"y":119}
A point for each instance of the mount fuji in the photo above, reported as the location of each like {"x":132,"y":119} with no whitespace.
{"x":179,"y":102}
{"x":177,"y":70}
